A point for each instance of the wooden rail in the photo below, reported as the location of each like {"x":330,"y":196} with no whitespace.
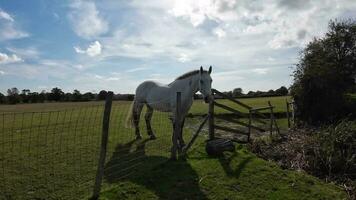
{"x":186,"y":148}
{"x":236,"y":114}
{"x":230,"y":109}
{"x":233,"y":120}
{"x":236,"y":101}
{"x":227,"y":129}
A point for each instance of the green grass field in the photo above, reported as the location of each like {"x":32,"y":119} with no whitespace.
{"x":51,"y":152}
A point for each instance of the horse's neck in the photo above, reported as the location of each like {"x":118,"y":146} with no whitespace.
{"x":188,"y":86}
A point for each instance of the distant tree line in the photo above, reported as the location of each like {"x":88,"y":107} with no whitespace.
{"x":238,"y":93}
{"x":14,"y":96}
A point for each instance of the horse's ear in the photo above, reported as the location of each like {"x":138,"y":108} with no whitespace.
{"x":201,"y":69}
{"x":210,"y":69}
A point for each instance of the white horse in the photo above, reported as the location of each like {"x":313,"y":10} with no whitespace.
{"x":162,"y":97}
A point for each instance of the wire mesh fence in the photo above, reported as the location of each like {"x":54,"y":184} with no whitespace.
{"x":54,"y":154}
{"x":48,"y":155}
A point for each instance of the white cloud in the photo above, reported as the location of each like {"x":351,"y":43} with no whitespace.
{"x":271,"y":59}
{"x":30,"y":52}
{"x":6,"y":16}
{"x":6,"y":59}
{"x":183,"y":58}
{"x":80,"y":67}
{"x":219,"y":32}
{"x":8,"y":28}
{"x":94,"y":49}
{"x":86,"y":19}
{"x":98,"y":76}
{"x":260,"y":70}
{"x":2,"y":72}
{"x":200,"y":10}
{"x":113,"y":79}
{"x":136,"y":69}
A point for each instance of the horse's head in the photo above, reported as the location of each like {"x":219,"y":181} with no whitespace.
{"x":205,"y":83}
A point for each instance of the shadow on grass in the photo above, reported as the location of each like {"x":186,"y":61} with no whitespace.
{"x":225,"y":161}
{"x":134,"y":172}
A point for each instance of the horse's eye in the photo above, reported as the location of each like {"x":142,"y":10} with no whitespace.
{"x":201,"y":81}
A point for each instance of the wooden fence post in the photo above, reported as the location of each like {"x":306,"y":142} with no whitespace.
{"x":293,"y":112}
{"x":177,"y":127}
{"x":249,"y":125}
{"x":271,"y":118}
{"x":103,"y":148}
{"x":288,"y":117}
{"x":211,"y":119}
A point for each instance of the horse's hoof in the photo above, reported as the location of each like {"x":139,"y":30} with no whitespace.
{"x":152,"y":137}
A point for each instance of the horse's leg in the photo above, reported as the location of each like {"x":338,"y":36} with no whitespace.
{"x":136,"y":112}
{"x":148,"y":117}
{"x":180,"y":137}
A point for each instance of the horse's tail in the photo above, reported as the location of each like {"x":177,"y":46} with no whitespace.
{"x":129,"y":117}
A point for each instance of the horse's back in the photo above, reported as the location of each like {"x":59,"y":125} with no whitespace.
{"x":150,"y":91}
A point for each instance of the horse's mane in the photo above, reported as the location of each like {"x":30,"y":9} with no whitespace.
{"x":189,"y":74}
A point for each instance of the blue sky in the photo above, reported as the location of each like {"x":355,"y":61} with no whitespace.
{"x":115,"y":45}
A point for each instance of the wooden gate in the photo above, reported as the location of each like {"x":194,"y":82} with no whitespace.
{"x":254,"y":115}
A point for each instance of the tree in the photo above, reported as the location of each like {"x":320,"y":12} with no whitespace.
{"x":269,"y":93}
{"x":13,"y":95}
{"x":42,"y":97}
{"x":237,"y":92}
{"x":76,"y":96}
{"x":282,"y":91}
{"x":325,"y":72}
{"x":56,"y":94}
{"x":88,"y":96}
{"x":25,"y":95}
{"x":102,"y":95}
{"x":2,"y":98}
{"x":34,"y":97}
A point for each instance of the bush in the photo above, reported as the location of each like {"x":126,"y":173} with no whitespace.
{"x":325,"y":73}
{"x":327,"y":153}
{"x":334,"y":150}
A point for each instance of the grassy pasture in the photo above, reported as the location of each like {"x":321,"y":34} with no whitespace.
{"x":53,"y":155}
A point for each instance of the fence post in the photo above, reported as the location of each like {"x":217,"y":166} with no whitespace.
{"x":103,"y":148}
{"x":293,"y":112}
{"x":177,"y":127}
{"x":271,"y":118}
{"x":211,"y":118}
{"x":288,"y":117}
{"x":249,"y":125}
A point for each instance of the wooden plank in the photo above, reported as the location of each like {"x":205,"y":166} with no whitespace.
{"x":231,"y":99}
{"x":288,"y":117}
{"x":227,"y":129}
{"x":249,"y":126}
{"x":230,"y":109}
{"x":177,"y":127}
{"x":232,"y":120}
{"x":261,"y":108}
{"x":103,"y":148}
{"x":186,"y":148}
{"x":237,"y":102}
{"x":211,"y":119}
{"x":274,"y":119}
